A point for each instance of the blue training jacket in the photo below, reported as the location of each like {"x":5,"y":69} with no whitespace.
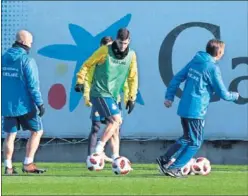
{"x":20,"y":83}
{"x":202,"y":79}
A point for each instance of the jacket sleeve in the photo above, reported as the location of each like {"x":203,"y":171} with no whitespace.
{"x":97,"y":57}
{"x":219,"y":87}
{"x":132,"y":79}
{"x":125,"y":92}
{"x":88,"y":81}
{"x":175,"y":82}
{"x":31,"y":75}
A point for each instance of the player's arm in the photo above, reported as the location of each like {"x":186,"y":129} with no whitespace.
{"x":175,"y":83}
{"x":219,"y":87}
{"x":31,"y":75}
{"x":125,"y":92}
{"x":87,"y":85}
{"x":132,"y":81}
{"x":97,"y":57}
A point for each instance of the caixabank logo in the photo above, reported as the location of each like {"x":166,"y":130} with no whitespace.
{"x":86,"y":44}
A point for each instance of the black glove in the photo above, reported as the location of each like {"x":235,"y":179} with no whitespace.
{"x":42,"y":110}
{"x":79,"y":88}
{"x":104,"y":121}
{"x":130,"y":105}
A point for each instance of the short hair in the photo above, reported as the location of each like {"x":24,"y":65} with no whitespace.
{"x":123,"y":34}
{"x":213,"y":47}
{"x":105,"y":40}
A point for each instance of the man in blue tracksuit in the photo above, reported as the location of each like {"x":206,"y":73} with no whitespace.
{"x":202,"y":79}
{"x":22,"y":104}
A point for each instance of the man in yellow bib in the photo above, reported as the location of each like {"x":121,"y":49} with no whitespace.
{"x":97,"y":120}
{"x":114,"y":64}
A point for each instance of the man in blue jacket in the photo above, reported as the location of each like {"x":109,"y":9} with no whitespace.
{"x":22,"y":104}
{"x":202,"y":79}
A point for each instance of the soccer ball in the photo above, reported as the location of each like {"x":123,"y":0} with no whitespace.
{"x":201,"y":166}
{"x":121,"y":165}
{"x":95,"y":162}
{"x":187,"y":168}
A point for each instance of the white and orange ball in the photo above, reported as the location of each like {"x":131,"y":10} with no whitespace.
{"x":121,"y":166}
{"x":201,"y":166}
{"x":186,"y":170}
{"x":95,"y":162}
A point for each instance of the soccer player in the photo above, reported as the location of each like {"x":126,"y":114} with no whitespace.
{"x":22,"y":104}
{"x":95,"y":117}
{"x":202,"y":78}
{"x":115,"y":64}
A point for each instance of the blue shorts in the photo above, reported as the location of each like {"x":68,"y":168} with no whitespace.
{"x":30,"y":121}
{"x":103,"y":107}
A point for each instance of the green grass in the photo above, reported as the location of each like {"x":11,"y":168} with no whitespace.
{"x":75,"y":179}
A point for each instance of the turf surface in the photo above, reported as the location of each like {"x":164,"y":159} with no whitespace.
{"x":75,"y":179}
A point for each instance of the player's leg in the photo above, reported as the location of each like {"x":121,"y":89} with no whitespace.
{"x":108,"y":108}
{"x":32,"y":146}
{"x":95,"y":127}
{"x":97,"y":120}
{"x":109,"y":131}
{"x":195,"y":127}
{"x":106,"y":158}
{"x":10,"y":126}
{"x":174,"y":150}
{"x":32,"y":122}
{"x":115,"y":145}
{"x":115,"y":140}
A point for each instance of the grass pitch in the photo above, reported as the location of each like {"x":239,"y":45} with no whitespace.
{"x":75,"y":179}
